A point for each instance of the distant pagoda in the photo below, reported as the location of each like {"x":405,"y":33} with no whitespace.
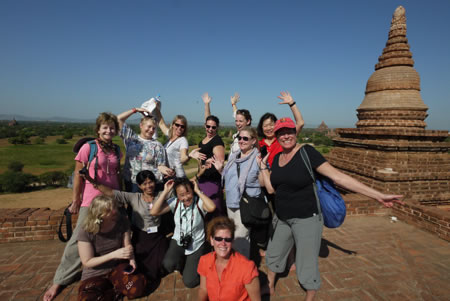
{"x":390,"y":150}
{"x":323,"y":128}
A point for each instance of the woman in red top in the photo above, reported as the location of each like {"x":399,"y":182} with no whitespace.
{"x":225,"y":274}
{"x":269,"y":143}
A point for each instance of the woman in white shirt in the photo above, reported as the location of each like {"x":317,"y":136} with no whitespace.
{"x":177,"y":146}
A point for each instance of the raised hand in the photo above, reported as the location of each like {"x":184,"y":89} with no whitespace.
{"x":218,"y":164}
{"x":206,"y":98}
{"x":169,"y":185}
{"x":286,"y":98}
{"x":235,"y":99}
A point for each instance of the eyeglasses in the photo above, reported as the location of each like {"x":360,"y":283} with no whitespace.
{"x":239,"y":138}
{"x":219,"y":239}
{"x":179,"y":125}
{"x":211,"y":126}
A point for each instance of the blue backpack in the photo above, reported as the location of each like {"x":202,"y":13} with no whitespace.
{"x":93,"y":151}
{"x":329,"y":201}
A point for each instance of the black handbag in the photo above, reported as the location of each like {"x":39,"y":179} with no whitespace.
{"x":253,"y":210}
{"x":68,"y":217}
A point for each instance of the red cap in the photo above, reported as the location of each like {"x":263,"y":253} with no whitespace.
{"x":284,"y":122}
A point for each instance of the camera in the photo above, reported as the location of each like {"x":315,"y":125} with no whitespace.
{"x":83,"y":171}
{"x":263,"y":151}
{"x":185,"y":240}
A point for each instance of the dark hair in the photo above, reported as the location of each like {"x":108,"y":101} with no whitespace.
{"x":182,"y":181}
{"x":107,"y":118}
{"x":220,"y":223}
{"x":144,"y":175}
{"x":246,"y":115}
{"x":263,"y":118}
{"x":213,"y":118}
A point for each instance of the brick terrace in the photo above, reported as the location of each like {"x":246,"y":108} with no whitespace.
{"x":368,"y":258}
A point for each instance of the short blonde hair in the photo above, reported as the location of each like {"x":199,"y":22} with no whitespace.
{"x":100,"y":207}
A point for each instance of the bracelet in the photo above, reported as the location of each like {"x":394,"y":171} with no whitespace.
{"x":134,"y":110}
{"x":292,"y":104}
{"x":263,"y":168}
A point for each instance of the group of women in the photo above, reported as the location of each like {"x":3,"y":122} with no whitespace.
{"x":156,"y":185}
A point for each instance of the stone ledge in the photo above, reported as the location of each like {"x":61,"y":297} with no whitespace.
{"x":30,"y":224}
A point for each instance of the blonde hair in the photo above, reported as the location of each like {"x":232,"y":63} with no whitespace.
{"x":252,"y":133}
{"x":183,"y":119}
{"x":100,"y":207}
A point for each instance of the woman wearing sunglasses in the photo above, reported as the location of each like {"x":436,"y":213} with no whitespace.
{"x":224,"y":273}
{"x":241,"y":174}
{"x":177,"y":146}
{"x":269,"y":143}
{"x":211,"y":147}
{"x":242,"y":118}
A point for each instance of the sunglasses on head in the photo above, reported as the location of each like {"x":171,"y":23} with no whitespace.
{"x":211,"y":126}
{"x":219,"y":239}
{"x":243,"y":138}
{"x":179,"y":125}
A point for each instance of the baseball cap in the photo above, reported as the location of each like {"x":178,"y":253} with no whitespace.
{"x":284,"y":122}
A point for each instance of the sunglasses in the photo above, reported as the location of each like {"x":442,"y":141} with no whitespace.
{"x":179,"y":125}
{"x":219,"y":239}
{"x":211,"y":126}
{"x":243,"y":138}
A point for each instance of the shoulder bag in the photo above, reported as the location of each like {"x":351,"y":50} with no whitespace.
{"x":329,"y":201}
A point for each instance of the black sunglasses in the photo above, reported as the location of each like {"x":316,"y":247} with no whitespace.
{"x":219,"y":239}
{"x":179,"y":125}
{"x":211,"y":126}
{"x":243,"y":138}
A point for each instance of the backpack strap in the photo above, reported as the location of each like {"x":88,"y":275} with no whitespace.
{"x":68,"y":216}
{"x":93,"y":151}
{"x":305,"y":158}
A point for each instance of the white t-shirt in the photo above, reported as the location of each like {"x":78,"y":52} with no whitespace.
{"x":173,"y":149}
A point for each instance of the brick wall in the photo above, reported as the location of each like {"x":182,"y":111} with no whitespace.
{"x":30,"y":224}
{"x":42,"y":223}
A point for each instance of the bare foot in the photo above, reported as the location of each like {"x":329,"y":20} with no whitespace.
{"x":52,"y":292}
{"x":293,"y":267}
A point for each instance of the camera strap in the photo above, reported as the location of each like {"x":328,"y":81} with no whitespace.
{"x":192,"y":219}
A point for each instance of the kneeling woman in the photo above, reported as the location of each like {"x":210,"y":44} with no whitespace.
{"x":226,"y":274}
{"x":104,"y":243}
{"x":188,"y":241}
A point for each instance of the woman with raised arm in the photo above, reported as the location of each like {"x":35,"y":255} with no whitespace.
{"x":105,"y":167}
{"x":224,"y":273}
{"x":241,"y":174}
{"x":299,"y":221}
{"x":189,"y":207}
{"x":104,"y":244}
{"x":269,"y":143}
{"x":149,"y":237}
{"x":211,"y":146}
{"x":177,"y":146}
{"x":142,"y":151}
{"x":242,"y":118}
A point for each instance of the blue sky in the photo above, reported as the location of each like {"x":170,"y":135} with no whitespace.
{"x":78,"y":58}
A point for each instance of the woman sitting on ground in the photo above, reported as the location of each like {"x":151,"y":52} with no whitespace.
{"x":143,"y":152}
{"x":224,"y":273}
{"x":149,"y":238}
{"x":104,"y":244}
{"x":188,"y":241}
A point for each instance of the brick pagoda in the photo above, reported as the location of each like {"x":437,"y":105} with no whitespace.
{"x":390,"y":150}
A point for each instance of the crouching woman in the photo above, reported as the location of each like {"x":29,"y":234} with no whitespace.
{"x":188,"y":242}
{"x":105,"y":249}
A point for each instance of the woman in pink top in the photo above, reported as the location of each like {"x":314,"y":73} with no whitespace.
{"x":108,"y":167}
